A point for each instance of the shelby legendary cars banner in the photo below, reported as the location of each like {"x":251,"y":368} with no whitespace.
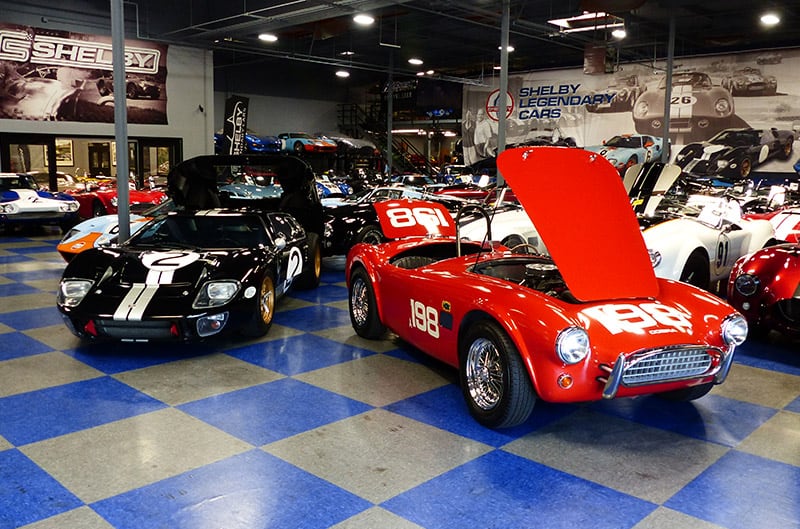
{"x":709,"y":95}
{"x":59,"y":75}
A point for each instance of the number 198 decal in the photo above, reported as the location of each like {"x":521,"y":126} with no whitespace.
{"x":424,"y":318}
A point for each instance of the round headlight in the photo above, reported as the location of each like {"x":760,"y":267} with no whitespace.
{"x":640,"y":109}
{"x":572,"y":345}
{"x":747,"y":284}
{"x":722,"y":106}
{"x":734,"y":329}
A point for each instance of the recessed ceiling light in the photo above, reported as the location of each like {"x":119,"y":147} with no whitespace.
{"x":363,"y":19}
{"x":420,"y":74}
{"x":342,"y":73}
{"x":415,"y":61}
{"x":268,"y":37}
{"x":770,"y":19}
{"x":347,"y":53}
{"x":619,"y":33}
{"x":430,"y":72}
{"x":509,"y":49}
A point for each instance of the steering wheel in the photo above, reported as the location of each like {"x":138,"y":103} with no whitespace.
{"x":525,"y":248}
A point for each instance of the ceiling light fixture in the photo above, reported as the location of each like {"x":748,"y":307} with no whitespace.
{"x":587,"y":22}
{"x":363,"y":19}
{"x":770,"y":19}
{"x":420,"y":74}
{"x":344,"y":74}
{"x":509,"y":49}
{"x":347,"y":53}
{"x":619,"y":33}
{"x":267,"y":37}
{"x":430,"y":72}
{"x":415,"y":61}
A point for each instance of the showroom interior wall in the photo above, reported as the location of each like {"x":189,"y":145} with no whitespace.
{"x":270,"y":116}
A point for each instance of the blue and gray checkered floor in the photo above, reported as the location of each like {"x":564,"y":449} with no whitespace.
{"x":313,"y":427}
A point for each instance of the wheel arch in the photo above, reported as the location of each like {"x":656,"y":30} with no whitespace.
{"x":360,"y":264}
{"x":508,"y":325}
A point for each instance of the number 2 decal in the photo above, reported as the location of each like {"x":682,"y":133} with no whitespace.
{"x":294,"y":266}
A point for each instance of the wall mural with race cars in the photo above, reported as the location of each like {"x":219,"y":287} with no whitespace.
{"x":51,"y":75}
{"x":729,"y":115}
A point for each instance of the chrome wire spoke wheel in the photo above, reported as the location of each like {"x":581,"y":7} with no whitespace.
{"x":484,"y":373}
{"x":359,"y":302}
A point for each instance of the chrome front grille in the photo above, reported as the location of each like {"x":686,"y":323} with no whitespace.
{"x":665,"y":365}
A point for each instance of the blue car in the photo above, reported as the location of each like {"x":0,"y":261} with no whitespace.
{"x":253,"y":143}
{"x":626,"y":150}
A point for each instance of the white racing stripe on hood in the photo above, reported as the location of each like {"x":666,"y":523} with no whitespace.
{"x":135,"y":302}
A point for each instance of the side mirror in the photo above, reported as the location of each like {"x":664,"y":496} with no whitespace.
{"x":280,"y":243}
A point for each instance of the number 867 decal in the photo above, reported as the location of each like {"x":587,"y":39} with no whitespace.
{"x":404,"y":218}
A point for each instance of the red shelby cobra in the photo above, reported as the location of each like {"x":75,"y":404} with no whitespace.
{"x":765,"y":286}
{"x":590,"y":321}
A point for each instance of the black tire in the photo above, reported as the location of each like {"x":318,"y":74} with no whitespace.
{"x":687,"y":394}
{"x":369,"y":234}
{"x":363,"y":306}
{"x":98,"y":210}
{"x":310,"y":277}
{"x":265,"y":308}
{"x":298,"y":146}
{"x":494,"y":381}
{"x":696,"y":270}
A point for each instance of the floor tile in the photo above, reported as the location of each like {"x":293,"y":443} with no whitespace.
{"x":46,"y":370}
{"x":777,"y":439}
{"x":377,"y":380}
{"x":82,"y":517}
{"x":663,"y":518}
{"x":743,"y":491}
{"x":37,"y":415}
{"x":196,"y":378}
{"x":16,"y":344}
{"x":114,"y":458}
{"x":293,"y":406}
{"x":29,"y":493}
{"x":247,"y":491}
{"x":504,"y":490}
{"x":313,"y":318}
{"x":776,"y":390}
{"x":711,"y":418}
{"x":378,"y":454}
{"x":649,"y":463}
{"x":376,"y":517}
{"x":286,"y":355}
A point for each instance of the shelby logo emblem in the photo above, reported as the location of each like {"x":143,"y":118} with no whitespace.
{"x":59,"y":51}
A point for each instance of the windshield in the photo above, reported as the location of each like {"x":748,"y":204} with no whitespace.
{"x":624,"y":141}
{"x":17,"y":182}
{"x":206,"y":231}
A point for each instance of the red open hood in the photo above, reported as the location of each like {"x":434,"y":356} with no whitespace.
{"x":414,"y":218}
{"x":579,"y":206}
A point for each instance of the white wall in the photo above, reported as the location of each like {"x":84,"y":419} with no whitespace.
{"x":269,"y":116}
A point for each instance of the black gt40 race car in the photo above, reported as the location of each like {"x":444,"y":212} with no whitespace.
{"x":198,"y":271}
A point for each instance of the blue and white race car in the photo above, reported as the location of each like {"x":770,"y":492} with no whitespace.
{"x":626,"y":150}
{"x":23,"y":203}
